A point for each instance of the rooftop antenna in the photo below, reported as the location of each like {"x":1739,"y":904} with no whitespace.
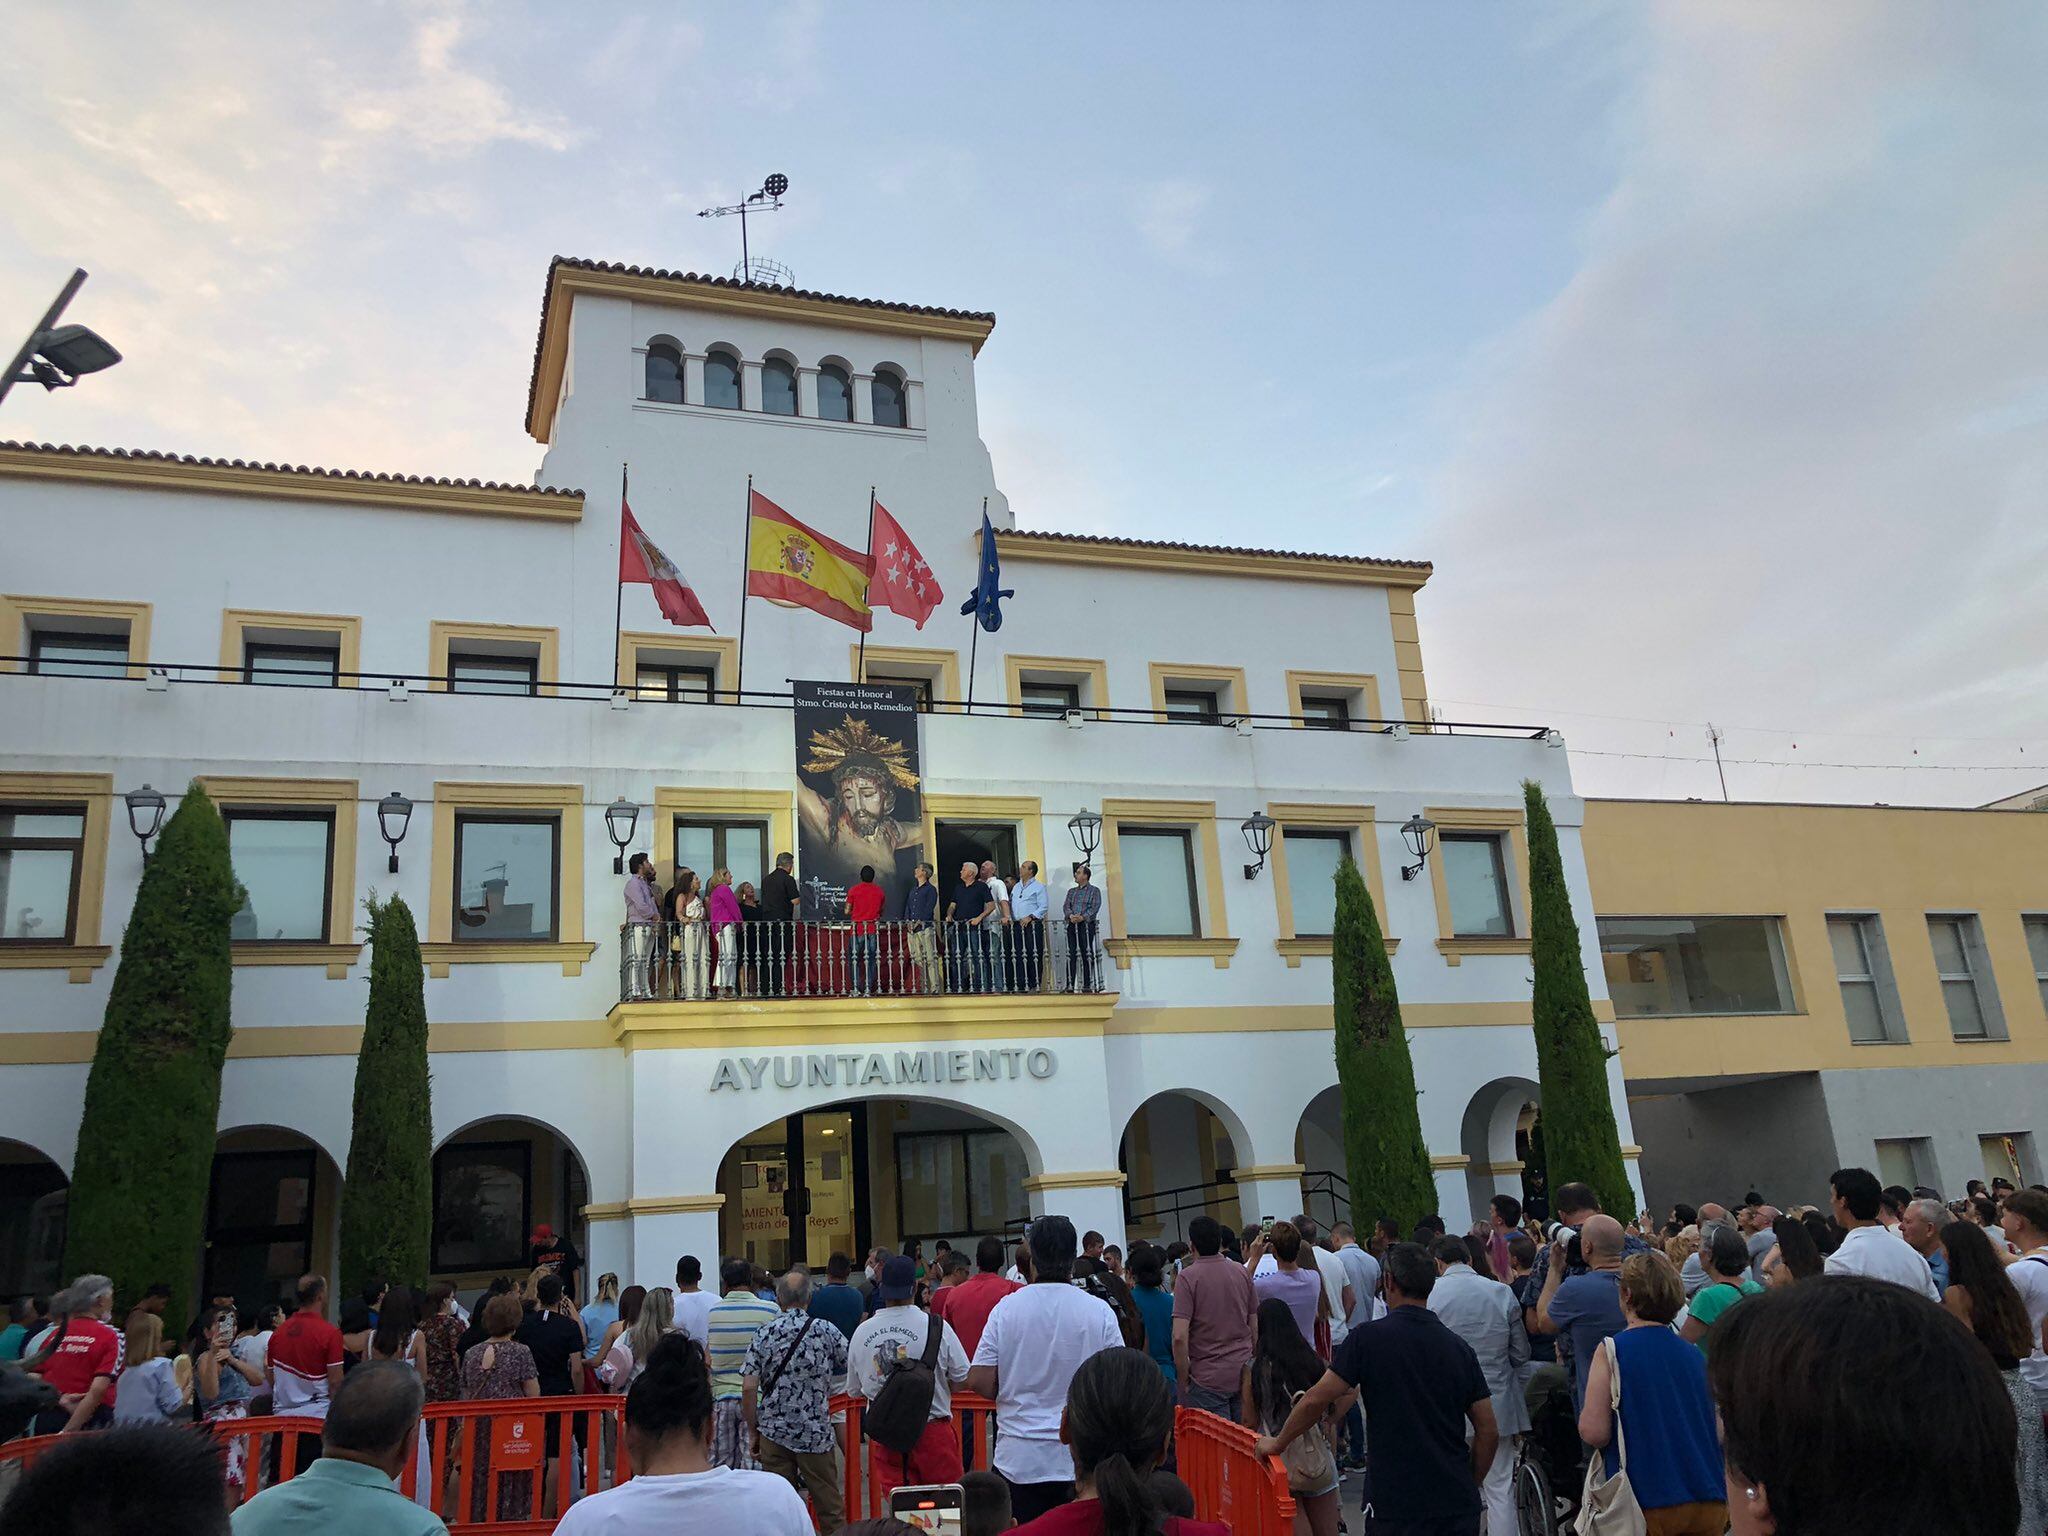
{"x":767,"y":200}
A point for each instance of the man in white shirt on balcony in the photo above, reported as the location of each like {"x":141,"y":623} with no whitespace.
{"x":995,"y":935}
{"x":1868,"y":1248}
{"x":1029,"y":903}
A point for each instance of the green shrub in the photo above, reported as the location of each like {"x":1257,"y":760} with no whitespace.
{"x":387,"y":1197}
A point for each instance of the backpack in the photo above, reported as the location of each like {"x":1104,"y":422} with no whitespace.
{"x":896,"y":1419}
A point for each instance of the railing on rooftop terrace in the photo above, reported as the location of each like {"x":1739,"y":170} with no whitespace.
{"x":159,"y":675}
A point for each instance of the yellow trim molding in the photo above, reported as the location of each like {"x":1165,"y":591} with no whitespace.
{"x":1232,"y":697}
{"x":1408,"y":655}
{"x":341,"y":949}
{"x":1277,"y":564}
{"x":544,"y":640}
{"x":1091,"y":676}
{"x":670,"y":802}
{"x":719,"y":652}
{"x":1363,"y":684}
{"x":673,"y":1205}
{"x":277,"y":481}
{"x":606,"y":1210}
{"x":744,"y":1024}
{"x":95,"y":791}
{"x":1269,"y":1171}
{"x":1104,"y":1178}
{"x":1199,"y":818}
{"x":1503,"y":823}
{"x":1508,"y":1167}
{"x":1631,"y":1152}
{"x":70,"y":1047}
{"x":680,"y":290}
{"x":1025,"y":810}
{"x":18,"y":615}
{"x":236,"y":622}
{"x":442,"y":949}
{"x":940,"y":667}
{"x":1447,"y":1160}
{"x":1354,"y":819}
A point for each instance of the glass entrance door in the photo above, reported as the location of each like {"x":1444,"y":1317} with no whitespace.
{"x":801,"y":1190}
{"x":960,"y":841}
{"x":259,"y":1228}
{"x":829,"y":1185}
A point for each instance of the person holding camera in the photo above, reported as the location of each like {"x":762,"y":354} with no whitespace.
{"x":1583,"y":1309}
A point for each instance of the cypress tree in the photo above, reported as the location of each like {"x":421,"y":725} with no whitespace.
{"x":152,"y":1099}
{"x":1385,"y":1156}
{"x":1580,"y":1141}
{"x":387,"y":1196}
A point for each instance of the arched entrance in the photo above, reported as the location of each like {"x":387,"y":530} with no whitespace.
{"x":494,"y":1181}
{"x":273,"y":1213}
{"x":851,"y":1176}
{"x":34,"y":1195}
{"x":1178,"y":1154}
{"x":1495,"y":1141}
{"x":1319,"y":1148}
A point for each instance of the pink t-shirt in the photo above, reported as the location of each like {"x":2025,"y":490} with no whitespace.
{"x":1301,"y":1289}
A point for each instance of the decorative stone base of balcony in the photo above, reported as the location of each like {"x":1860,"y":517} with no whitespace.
{"x":741,"y":1022}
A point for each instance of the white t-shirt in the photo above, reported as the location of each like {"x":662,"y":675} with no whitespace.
{"x":2030,"y":1279}
{"x":253,"y":1349}
{"x":998,"y":893}
{"x":1882,"y":1255}
{"x":693,"y":1314}
{"x":1036,"y":1339}
{"x":900,"y":1332}
{"x":692,"y":1504}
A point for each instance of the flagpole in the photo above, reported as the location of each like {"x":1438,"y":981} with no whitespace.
{"x":739,"y":681}
{"x":974,"y":645}
{"x":619,"y":606}
{"x":860,"y":663}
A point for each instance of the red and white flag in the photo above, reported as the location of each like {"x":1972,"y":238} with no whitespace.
{"x":641,"y":560}
{"x":901,"y":580}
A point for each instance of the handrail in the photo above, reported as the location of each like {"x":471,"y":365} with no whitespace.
{"x":216,"y":674}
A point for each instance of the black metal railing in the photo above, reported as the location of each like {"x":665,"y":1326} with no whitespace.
{"x":1174,"y":1208}
{"x":1333,"y":1189}
{"x":696,"y":961}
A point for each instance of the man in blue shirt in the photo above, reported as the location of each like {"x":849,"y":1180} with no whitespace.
{"x":1028,"y":906}
{"x":372,"y":1426}
{"x":921,"y":914}
{"x":1584,"y":1308}
{"x":1082,"y":910}
{"x":836,"y":1300}
{"x":966,"y":911}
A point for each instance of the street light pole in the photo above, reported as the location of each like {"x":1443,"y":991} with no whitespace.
{"x":20,"y":359}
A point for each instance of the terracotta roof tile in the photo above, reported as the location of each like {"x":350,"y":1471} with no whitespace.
{"x":1040,"y":536}
{"x":145,"y":455}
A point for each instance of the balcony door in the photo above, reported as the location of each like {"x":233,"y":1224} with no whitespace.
{"x":960,"y":841}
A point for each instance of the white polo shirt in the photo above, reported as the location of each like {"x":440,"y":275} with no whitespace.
{"x":1882,"y":1255}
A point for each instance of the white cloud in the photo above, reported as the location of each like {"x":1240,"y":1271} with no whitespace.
{"x":1169,"y":216}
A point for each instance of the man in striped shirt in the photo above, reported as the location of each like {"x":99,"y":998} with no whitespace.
{"x":735,"y":1319}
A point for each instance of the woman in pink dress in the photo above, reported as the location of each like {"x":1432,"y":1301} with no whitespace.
{"x":724,"y":909}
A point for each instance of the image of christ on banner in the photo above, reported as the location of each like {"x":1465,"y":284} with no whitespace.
{"x":858,"y":798}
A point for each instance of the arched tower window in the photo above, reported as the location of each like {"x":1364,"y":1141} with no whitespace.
{"x":664,"y":374}
{"x":778,"y":387}
{"x":835,"y":394}
{"x":889,"y":394}
{"x":722,"y":380}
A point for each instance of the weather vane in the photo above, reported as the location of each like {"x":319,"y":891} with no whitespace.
{"x":767,"y":200}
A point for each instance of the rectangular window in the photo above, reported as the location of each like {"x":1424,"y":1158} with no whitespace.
{"x":1312,"y":859}
{"x":673,"y":685}
{"x":1325,"y":713}
{"x":507,"y":870}
{"x":708,"y":846}
{"x":469,"y":672}
{"x":284,"y":860}
{"x":1192,"y":704}
{"x":920,"y":686}
{"x":2008,"y":1155}
{"x":42,"y":849}
{"x":1158,"y":873}
{"x":2037,"y":948}
{"x":1475,"y":877}
{"x":1966,"y":989}
{"x":1907,"y":1161}
{"x":950,"y":1182}
{"x":61,"y":653}
{"x":1048,"y":698}
{"x":1863,"y":968}
{"x":1660,"y":966}
{"x":292,"y":666}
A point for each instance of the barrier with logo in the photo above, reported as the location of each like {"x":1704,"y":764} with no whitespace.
{"x":1230,"y":1483}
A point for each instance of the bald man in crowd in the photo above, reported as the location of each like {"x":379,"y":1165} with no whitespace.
{"x":1583,"y":1309}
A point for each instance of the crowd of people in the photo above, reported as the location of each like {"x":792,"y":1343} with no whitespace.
{"x":977,"y":931}
{"x":1747,"y":1370}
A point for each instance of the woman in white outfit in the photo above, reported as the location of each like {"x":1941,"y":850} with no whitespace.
{"x":398,"y":1338}
{"x":689,"y":944}
{"x":630,"y":1351}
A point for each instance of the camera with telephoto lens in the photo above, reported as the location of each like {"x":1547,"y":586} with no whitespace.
{"x":1574,"y":1255}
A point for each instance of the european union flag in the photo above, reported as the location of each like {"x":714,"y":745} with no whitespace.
{"x":986,"y":604}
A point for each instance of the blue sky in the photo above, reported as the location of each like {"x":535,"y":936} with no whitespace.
{"x":1701,"y":346}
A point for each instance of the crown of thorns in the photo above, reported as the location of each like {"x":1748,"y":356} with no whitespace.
{"x":854,"y":746}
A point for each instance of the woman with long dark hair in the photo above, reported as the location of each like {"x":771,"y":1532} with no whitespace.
{"x":675,"y":1488}
{"x":1118,"y":1422}
{"x":1282,"y":1367}
{"x":1795,"y":1258}
{"x":1990,"y":1306}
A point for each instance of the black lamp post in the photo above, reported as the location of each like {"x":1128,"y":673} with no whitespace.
{"x":1258,"y":836}
{"x":620,"y":819}
{"x":145,"y":815}
{"x":1420,"y":836}
{"x":394,"y":815}
{"x":1085,"y":827}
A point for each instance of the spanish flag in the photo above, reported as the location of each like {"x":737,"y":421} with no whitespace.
{"x":790,"y":563}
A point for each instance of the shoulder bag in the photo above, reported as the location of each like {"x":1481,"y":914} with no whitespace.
{"x":1609,"y":1507}
{"x":1311,"y":1467}
{"x":774,"y":1380}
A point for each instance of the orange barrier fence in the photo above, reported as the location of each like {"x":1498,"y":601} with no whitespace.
{"x":1230,"y":1483}
{"x":487,"y":1462}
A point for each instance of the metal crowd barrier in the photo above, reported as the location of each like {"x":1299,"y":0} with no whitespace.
{"x":686,"y":962}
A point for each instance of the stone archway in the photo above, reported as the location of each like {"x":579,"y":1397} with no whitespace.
{"x":34,"y":1196}
{"x":1179,"y":1151}
{"x":495,"y":1179}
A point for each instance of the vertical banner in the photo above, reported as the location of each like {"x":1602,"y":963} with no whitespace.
{"x":857,"y":792}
